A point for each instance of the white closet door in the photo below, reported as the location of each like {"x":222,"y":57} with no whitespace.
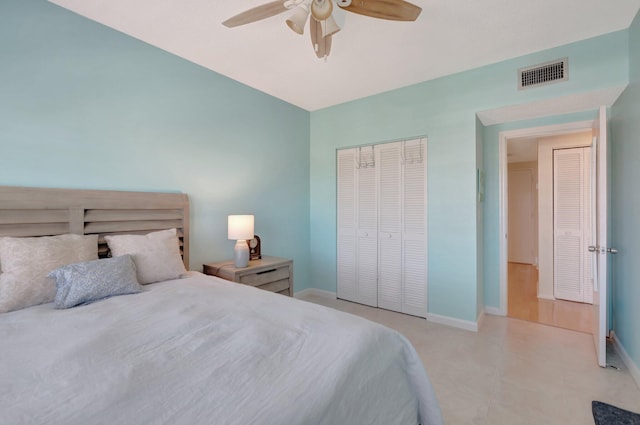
{"x":367,"y":201}
{"x":390,"y":226}
{"x":382,"y":226}
{"x":347,"y":230}
{"x":402,"y":284}
{"x":568,"y":240}
{"x":414,"y":229}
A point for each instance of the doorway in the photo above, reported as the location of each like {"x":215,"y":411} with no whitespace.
{"x":536,"y":258}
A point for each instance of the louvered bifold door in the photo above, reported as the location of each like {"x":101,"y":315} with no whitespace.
{"x":347,"y":229}
{"x":402,"y":263}
{"x":390,"y":226}
{"x":367,"y":224}
{"x":568,"y":224}
{"x":414,"y":228}
{"x":382,"y":226}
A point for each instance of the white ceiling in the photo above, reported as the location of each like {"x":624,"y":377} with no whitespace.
{"x":368,"y":55}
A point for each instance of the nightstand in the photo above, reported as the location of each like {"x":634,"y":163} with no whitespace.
{"x":269,"y":273}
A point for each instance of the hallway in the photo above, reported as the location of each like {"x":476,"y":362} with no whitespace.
{"x":524,"y":302}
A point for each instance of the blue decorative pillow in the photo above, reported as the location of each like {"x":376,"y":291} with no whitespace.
{"x":82,"y":283}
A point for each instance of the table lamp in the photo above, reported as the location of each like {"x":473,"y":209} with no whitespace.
{"x":240,"y":229}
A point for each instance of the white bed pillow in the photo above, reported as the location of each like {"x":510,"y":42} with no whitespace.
{"x":156,"y":255}
{"x":27,"y":261}
{"x":83,"y":283}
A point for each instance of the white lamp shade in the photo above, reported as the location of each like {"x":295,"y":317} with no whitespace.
{"x":240,"y":227}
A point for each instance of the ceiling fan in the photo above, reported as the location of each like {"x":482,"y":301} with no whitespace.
{"x":322,"y":26}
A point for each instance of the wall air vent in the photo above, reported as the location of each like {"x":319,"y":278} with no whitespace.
{"x":543,"y":74}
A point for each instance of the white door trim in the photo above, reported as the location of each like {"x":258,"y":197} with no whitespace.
{"x":503,"y":136}
{"x":602,"y":196}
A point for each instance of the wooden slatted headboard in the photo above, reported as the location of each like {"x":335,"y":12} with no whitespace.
{"x":28,"y":211}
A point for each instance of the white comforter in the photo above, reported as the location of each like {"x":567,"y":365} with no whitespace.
{"x":202,"y":350}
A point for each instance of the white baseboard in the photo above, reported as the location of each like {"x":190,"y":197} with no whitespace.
{"x":494,"y":311}
{"x":452,"y":321}
{"x":435,"y":318}
{"x":545,"y":297}
{"x":628,"y":361}
{"x":480,"y":319}
{"x":316,"y":293}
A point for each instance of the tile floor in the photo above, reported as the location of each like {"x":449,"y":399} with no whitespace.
{"x":511,"y":371}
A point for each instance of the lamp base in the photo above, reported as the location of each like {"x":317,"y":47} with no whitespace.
{"x":241,"y":254}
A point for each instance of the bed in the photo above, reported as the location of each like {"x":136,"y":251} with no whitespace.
{"x":190,"y":350}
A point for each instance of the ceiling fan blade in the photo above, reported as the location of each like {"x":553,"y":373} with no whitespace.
{"x":256,"y":14}
{"x":321,"y":45}
{"x":394,"y":10}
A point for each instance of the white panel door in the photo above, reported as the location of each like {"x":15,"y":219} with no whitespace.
{"x":520,"y":184}
{"x":568,"y":224}
{"x":347,"y":227}
{"x":390,"y":225}
{"x":414,"y":224}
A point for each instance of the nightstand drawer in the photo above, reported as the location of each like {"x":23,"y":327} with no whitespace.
{"x":277,"y":286}
{"x":268,"y":273}
{"x":265,"y":276}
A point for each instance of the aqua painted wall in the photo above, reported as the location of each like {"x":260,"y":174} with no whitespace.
{"x":625,"y":208}
{"x":445,"y":111}
{"x":84,"y":106}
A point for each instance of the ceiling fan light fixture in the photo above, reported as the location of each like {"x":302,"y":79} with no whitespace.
{"x":322,"y":25}
{"x":298,"y":18}
{"x":329,"y":26}
{"x":321,"y":9}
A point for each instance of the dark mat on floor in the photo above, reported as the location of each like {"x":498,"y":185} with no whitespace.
{"x":606,"y":414}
